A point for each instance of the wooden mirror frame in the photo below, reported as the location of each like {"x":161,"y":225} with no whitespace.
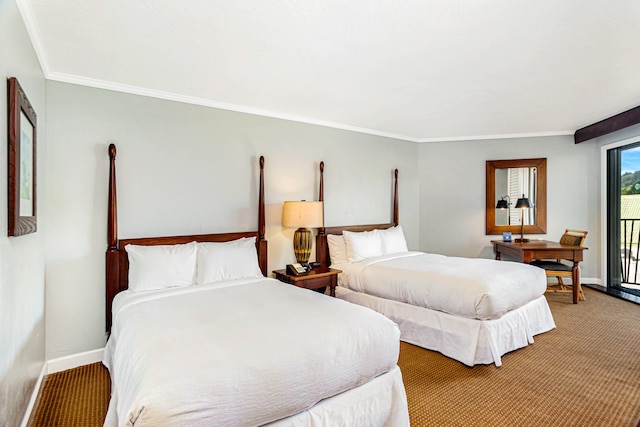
{"x":540,"y":227}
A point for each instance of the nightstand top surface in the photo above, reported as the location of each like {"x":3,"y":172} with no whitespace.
{"x":314,"y":273}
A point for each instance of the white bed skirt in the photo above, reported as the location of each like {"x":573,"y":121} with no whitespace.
{"x":470,"y":341}
{"x":384,"y":398}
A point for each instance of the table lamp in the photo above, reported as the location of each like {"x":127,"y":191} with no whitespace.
{"x":303,"y":215}
{"x":522,"y":203}
{"x":505,"y":204}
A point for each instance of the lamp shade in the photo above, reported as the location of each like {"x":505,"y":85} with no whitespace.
{"x":523,"y":203}
{"x":302,"y":214}
{"x":502,"y":204}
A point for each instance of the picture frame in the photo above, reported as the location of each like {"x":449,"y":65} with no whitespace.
{"x":506,"y":236}
{"x":21,"y":168}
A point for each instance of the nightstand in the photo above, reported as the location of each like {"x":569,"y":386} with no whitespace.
{"x":317,"y":278}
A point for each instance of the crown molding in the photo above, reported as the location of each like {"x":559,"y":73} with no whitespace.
{"x":136,"y":90}
{"x":498,"y":136}
{"x":24,"y":7}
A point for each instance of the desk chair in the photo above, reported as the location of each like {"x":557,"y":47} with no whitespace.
{"x":558,"y":269}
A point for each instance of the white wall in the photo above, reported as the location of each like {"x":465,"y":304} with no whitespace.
{"x":185,"y":169}
{"x":452,"y":193}
{"x":22,"y":337}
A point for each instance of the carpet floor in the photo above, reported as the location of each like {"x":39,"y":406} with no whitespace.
{"x":586,"y":372}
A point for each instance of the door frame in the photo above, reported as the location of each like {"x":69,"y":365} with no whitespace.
{"x":604,"y":197}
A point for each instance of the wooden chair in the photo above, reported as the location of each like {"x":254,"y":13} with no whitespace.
{"x":558,"y":269}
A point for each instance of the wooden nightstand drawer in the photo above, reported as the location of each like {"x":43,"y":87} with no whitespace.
{"x":317,"y":278}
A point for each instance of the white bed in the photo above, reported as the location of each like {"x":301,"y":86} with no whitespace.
{"x":472,"y":310}
{"x":251,"y":352}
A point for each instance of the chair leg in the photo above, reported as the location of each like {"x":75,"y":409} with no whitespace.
{"x":580,"y":293}
{"x":565,"y":287}
{"x":561,"y":283}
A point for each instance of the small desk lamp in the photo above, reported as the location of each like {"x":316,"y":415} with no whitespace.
{"x":302,"y":215}
{"x":505,"y":204}
{"x":522,"y":203}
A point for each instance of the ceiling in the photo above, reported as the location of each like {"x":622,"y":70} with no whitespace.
{"x":419,"y":70}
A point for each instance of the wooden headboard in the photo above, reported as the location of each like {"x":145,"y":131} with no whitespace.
{"x":117,"y":262}
{"x":322,"y":248}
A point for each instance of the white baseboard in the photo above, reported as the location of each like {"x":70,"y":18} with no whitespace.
{"x":591,"y":281}
{"x":34,"y":397}
{"x":57,"y":365}
{"x":74,"y":360}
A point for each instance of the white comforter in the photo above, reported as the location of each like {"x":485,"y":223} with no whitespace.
{"x":242,"y":353}
{"x":474,"y":288}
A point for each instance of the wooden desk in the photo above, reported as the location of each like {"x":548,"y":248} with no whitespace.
{"x":543,"y":249}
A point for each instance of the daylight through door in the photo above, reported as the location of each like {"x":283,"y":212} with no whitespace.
{"x":623,"y":206}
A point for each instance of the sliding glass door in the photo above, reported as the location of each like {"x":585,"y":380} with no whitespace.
{"x":623,"y":223}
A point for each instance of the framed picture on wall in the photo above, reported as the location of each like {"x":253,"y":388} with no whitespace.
{"x":21,"y":166}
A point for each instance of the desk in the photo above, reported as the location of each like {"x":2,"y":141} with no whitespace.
{"x":543,"y":249}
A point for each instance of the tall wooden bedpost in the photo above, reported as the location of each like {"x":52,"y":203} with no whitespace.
{"x":112,"y":264}
{"x":262,"y":243}
{"x":395,"y":198}
{"x":321,"y":244}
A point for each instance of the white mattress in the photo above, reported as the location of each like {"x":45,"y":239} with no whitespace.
{"x":247,"y":353}
{"x":474,"y":288}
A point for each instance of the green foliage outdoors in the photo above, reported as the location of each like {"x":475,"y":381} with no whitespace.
{"x":630,"y":183}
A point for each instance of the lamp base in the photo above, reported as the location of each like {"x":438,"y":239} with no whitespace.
{"x":302,"y":245}
{"x":521,"y":240}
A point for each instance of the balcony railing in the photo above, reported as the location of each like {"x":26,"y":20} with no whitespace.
{"x":629,"y":250}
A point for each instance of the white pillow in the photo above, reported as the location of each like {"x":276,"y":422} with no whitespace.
{"x":362,"y":245}
{"x":393,"y":240}
{"x":337,"y":249}
{"x":218,"y":261}
{"x":161,"y":266}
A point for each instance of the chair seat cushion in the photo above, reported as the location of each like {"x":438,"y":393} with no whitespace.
{"x":551,"y":265}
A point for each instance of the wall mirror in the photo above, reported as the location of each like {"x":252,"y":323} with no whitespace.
{"x":509,"y":180}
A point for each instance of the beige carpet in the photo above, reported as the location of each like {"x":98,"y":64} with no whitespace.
{"x":77,"y":397}
{"x":584,"y":373}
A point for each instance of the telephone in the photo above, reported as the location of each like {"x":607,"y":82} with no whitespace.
{"x":296,"y":269}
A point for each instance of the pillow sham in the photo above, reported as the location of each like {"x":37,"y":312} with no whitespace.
{"x":236,"y":259}
{"x":393,"y":240}
{"x":337,"y":249}
{"x":362,"y":245}
{"x":161,"y":266}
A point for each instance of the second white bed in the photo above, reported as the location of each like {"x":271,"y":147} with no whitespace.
{"x":472,"y":310}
